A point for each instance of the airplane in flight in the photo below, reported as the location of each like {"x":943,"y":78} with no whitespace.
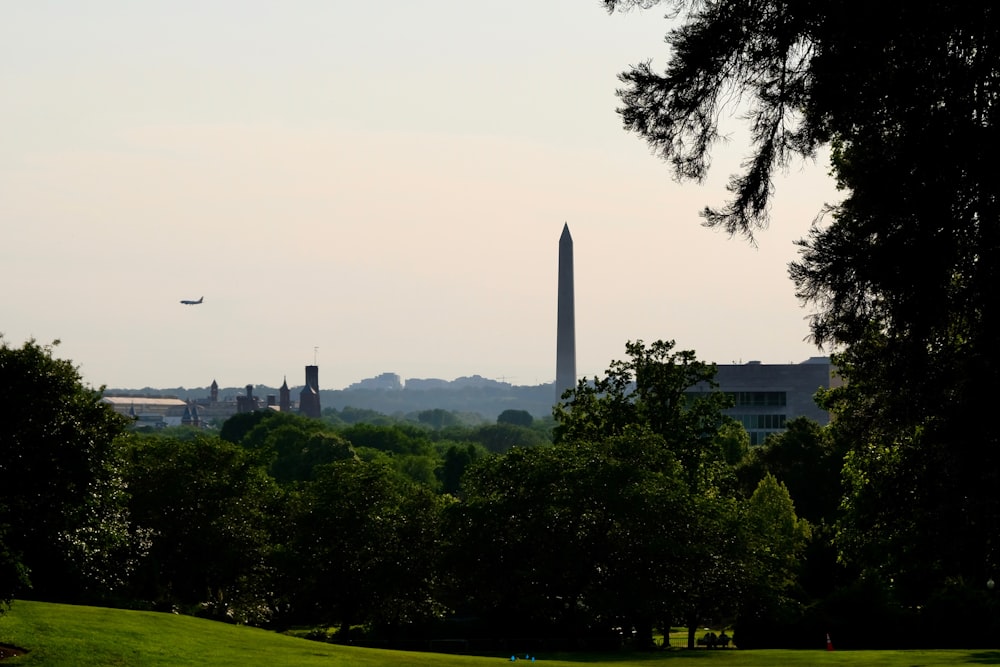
{"x":190,"y":302}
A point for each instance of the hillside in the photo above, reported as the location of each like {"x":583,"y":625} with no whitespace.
{"x":57,"y":635}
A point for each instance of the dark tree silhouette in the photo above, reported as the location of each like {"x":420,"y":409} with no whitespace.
{"x":901,"y":272}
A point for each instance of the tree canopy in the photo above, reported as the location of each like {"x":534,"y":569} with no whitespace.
{"x":657,"y":411}
{"x":654,"y":389}
{"x":63,"y":522}
{"x":206,"y":509}
{"x":900,"y":272}
{"x":361,"y":547}
{"x":574,"y":539}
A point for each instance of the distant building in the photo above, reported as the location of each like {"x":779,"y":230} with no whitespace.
{"x":767,"y":396}
{"x":157,"y":411}
{"x":162,"y":411}
{"x":191,"y":416}
{"x":475,"y":382}
{"x":247,"y":402}
{"x":284,"y":397}
{"x":383,"y":382}
{"x":212,"y":407}
{"x":309,"y":396}
{"x":426,"y":384}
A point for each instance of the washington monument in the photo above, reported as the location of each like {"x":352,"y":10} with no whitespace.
{"x":566,"y":320}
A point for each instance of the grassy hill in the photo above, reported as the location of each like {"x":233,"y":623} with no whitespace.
{"x":61,"y":635}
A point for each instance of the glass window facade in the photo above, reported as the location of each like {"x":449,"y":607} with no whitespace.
{"x":758,"y":422}
{"x":757,"y":438}
{"x":758,"y":399}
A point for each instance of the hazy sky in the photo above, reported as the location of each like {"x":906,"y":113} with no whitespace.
{"x":384,"y":181}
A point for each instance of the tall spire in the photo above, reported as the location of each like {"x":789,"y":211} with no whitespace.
{"x":566,"y":318}
{"x":284,"y":397}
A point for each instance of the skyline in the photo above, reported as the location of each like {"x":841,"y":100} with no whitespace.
{"x":372,"y":189}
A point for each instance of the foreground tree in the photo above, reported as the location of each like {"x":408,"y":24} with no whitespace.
{"x":670,"y":395}
{"x":654,"y":388}
{"x":207,"y":508}
{"x":290,"y":445}
{"x":63,"y":520}
{"x":901,"y":272}
{"x":572,"y":540}
{"x":457,"y":458}
{"x":360,"y":547}
{"x":776,"y":540}
{"x":807,"y":460}
{"x":13,"y":575}
{"x":630,"y":520}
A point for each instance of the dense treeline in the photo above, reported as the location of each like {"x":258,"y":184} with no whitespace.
{"x":645,"y":510}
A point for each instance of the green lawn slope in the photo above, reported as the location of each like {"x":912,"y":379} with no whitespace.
{"x":60,"y":635}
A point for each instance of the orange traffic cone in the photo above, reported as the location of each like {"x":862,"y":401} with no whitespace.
{"x":829,"y":644}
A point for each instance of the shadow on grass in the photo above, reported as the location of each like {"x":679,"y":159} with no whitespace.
{"x":635,"y":656}
{"x":984,"y":658}
{"x":8,"y":651}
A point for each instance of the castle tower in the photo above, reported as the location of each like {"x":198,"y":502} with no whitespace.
{"x":566,"y":318}
{"x":246,"y":403}
{"x":309,"y":396}
{"x":284,"y":397}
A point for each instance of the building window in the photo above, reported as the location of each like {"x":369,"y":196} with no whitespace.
{"x":758,"y":422}
{"x":757,"y":438}
{"x":758,"y":399}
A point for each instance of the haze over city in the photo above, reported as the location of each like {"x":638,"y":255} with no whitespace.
{"x":368,"y":186}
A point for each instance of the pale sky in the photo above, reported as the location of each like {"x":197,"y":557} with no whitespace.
{"x":376,"y":186}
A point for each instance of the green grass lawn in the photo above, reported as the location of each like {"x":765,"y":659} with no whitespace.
{"x":61,"y":635}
